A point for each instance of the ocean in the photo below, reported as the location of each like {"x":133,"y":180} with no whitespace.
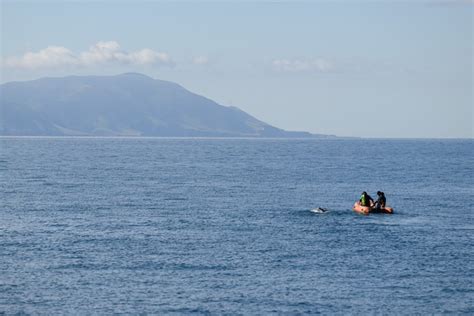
{"x":224,"y":226}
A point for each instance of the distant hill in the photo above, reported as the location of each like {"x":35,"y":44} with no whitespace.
{"x":124,"y":105}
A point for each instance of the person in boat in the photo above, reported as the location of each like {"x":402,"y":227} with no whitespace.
{"x":381,"y":201}
{"x":366,"y":200}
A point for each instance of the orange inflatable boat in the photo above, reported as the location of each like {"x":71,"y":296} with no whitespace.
{"x":366,"y":210}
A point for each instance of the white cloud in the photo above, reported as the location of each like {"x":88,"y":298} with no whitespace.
{"x":200,"y":60}
{"x":303,"y":65}
{"x":99,"y":54}
{"x":148,"y":56}
{"x":51,"y":56}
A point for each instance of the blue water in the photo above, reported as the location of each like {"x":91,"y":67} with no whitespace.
{"x":99,"y":226}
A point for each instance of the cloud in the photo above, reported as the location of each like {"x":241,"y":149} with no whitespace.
{"x":200,"y":60}
{"x":303,"y":65}
{"x":101,"y":53}
{"x":52,"y":56}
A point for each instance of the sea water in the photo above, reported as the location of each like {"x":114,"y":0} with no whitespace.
{"x":223,"y":226}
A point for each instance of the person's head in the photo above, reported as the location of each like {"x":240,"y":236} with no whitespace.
{"x":379,"y":193}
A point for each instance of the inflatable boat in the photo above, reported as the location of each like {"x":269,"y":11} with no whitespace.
{"x":370,"y":209}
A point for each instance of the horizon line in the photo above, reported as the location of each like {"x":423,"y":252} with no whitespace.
{"x":331,"y":137}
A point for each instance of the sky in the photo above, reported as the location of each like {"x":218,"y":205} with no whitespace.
{"x":395,"y":69}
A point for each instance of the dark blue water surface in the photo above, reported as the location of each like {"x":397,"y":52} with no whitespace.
{"x":99,"y":226}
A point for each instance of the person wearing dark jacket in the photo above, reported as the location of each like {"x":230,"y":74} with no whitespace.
{"x":381,"y":200}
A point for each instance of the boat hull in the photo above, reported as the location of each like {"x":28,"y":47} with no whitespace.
{"x":366,"y":210}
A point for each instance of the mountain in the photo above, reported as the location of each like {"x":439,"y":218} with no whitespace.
{"x":124,"y":105}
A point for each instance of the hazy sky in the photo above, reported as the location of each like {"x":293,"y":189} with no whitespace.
{"x":350,"y":68}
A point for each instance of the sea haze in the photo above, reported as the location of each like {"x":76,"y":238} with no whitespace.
{"x":144,"y":225}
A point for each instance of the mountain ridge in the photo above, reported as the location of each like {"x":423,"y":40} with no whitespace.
{"x":129,"y":104}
